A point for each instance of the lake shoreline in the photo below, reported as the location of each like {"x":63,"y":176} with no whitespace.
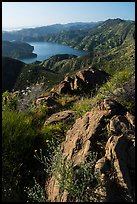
{"x":45,"y":50}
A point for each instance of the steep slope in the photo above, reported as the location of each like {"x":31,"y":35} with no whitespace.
{"x":35,"y":73}
{"x":11,"y":69}
{"x":112,"y":46}
{"x":18,"y":75}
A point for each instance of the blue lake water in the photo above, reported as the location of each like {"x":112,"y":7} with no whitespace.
{"x":45,"y":50}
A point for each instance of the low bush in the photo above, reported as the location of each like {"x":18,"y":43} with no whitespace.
{"x":19,"y":140}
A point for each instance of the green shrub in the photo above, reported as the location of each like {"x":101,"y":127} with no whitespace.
{"x":55,"y":132}
{"x":19,"y":140}
{"x":117,"y":81}
{"x":9,"y":100}
{"x":36,"y":193}
{"x":66,"y":100}
{"x":80,"y":182}
{"x":82,"y":106}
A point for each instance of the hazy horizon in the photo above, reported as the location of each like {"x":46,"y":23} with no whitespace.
{"x":20,"y":28}
{"x":19,"y":15}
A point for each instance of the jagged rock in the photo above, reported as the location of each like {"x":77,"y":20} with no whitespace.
{"x":78,"y":83}
{"x":131,"y":155}
{"x":117,"y":150}
{"x":60,"y":117}
{"x":126,"y":93}
{"x":83,"y":80}
{"x":119,"y":125}
{"x":92,"y":76}
{"x":40,"y":101}
{"x":54,"y":95}
{"x":118,"y":92}
{"x":79,"y":139}
{"x":110,"y":104}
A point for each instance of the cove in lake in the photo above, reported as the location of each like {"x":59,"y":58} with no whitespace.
{"x":45,"y":50}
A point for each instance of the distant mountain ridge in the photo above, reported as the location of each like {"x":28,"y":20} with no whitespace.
{"x":37,"y":33}
{"x":108,"y":34}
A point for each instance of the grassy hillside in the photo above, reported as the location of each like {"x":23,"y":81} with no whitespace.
{"x":109,"y":34}
{"x":112,"y":46}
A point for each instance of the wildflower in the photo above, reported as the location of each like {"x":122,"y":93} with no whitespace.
{"x":47,"y":141}
{"x":35,"y":150}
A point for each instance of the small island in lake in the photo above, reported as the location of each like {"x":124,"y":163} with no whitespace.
{"x":17,"y":50}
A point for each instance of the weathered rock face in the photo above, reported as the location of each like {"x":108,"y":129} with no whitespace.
{"x":118,"y":151}
{"x":120,"y":148}
{"x":63,"y":116}
{"x":119,"y":156}
{"x":79,"y":139}
{"x":64,"y":87}
{"x":83,"y":80}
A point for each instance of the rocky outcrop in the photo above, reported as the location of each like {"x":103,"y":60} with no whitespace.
{"x":118,"y":154}
{"x":84,"y":80}
{"x":63,"y":116}
{"x":49,"y":101}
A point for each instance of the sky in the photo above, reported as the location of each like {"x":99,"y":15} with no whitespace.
{"x":32,"y":14}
